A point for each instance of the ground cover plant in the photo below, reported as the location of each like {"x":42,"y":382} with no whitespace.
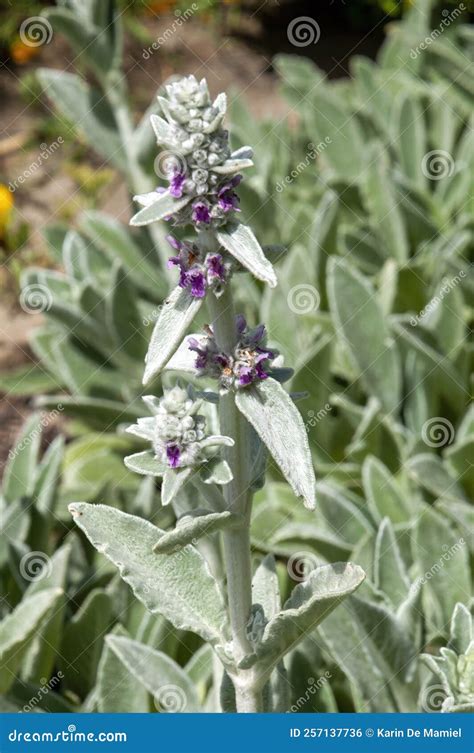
{"x":203,"y":568}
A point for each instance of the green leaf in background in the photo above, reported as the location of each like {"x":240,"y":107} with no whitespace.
{"x":382,"y":207}
{"x":28,"y":380}
{"x":361,"y":327}
{"x":373,"y":650}
{"x":446,"y":379}
{"x":443,"y":565}
{"x":459,"y":460}
{"x":265,"y":588}
{"x":341,"y":514}
{"x":124,"y":318}
{"x":390,"y":574}
{"x":48,"y":477}
{"x":115,"y":240}
{"x":19,"y":628}
{"x":75,"y":256}
{"x":118,"y":690}
{"x":40,"y":657}
{"x":98,"y":412}
{"x":82,"y":641}
{"x":410,"y":130}
{"x":383,"y":496}
{"x":432,"y":474}
{"x":15,"y":525}
{"x":331,"y":124}
{"x":19,"y":477}
{"x":93,"y":43}
{"x":461,"y":634}
{"x":169,"y":685}
{"x":86,"y":109}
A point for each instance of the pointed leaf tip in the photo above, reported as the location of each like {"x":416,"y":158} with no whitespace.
{"x":277,"y":421}
{"x":242,"y":244}
{"x":175,"y":317}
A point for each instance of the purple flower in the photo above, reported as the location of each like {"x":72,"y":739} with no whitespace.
{"x":174,"y":242}
{"x":202,"y":354}
{"x":245,"y":375}
{"x":177,"y":184}
{"x":215,"y":265}
{"x":240,"y":323}
{"x":177,"y":261}
{"x":227,"y":198}
{"x":260,"y":362}
{"x":201,"y":213}
{"x":249,"y":361}
{"x":173,"y":454}
{"x":196,"y":274}
{"x":196,"y":280}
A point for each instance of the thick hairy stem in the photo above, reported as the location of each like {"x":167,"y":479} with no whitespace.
{"x":238,"y":499}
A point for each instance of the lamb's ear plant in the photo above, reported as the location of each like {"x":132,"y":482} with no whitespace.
{"x":231,"y":368}
{"x":450,"y":688}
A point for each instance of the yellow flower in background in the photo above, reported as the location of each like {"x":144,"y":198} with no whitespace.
{"x":6,"y":207}
{"x":22,"y":53}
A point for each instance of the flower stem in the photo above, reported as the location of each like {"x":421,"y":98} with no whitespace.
{"x":238,"y":498}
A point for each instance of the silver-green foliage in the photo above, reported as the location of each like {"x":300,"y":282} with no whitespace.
{"x":380,"y":356}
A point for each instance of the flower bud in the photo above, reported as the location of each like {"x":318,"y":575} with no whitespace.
{"x":194,"y":132}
